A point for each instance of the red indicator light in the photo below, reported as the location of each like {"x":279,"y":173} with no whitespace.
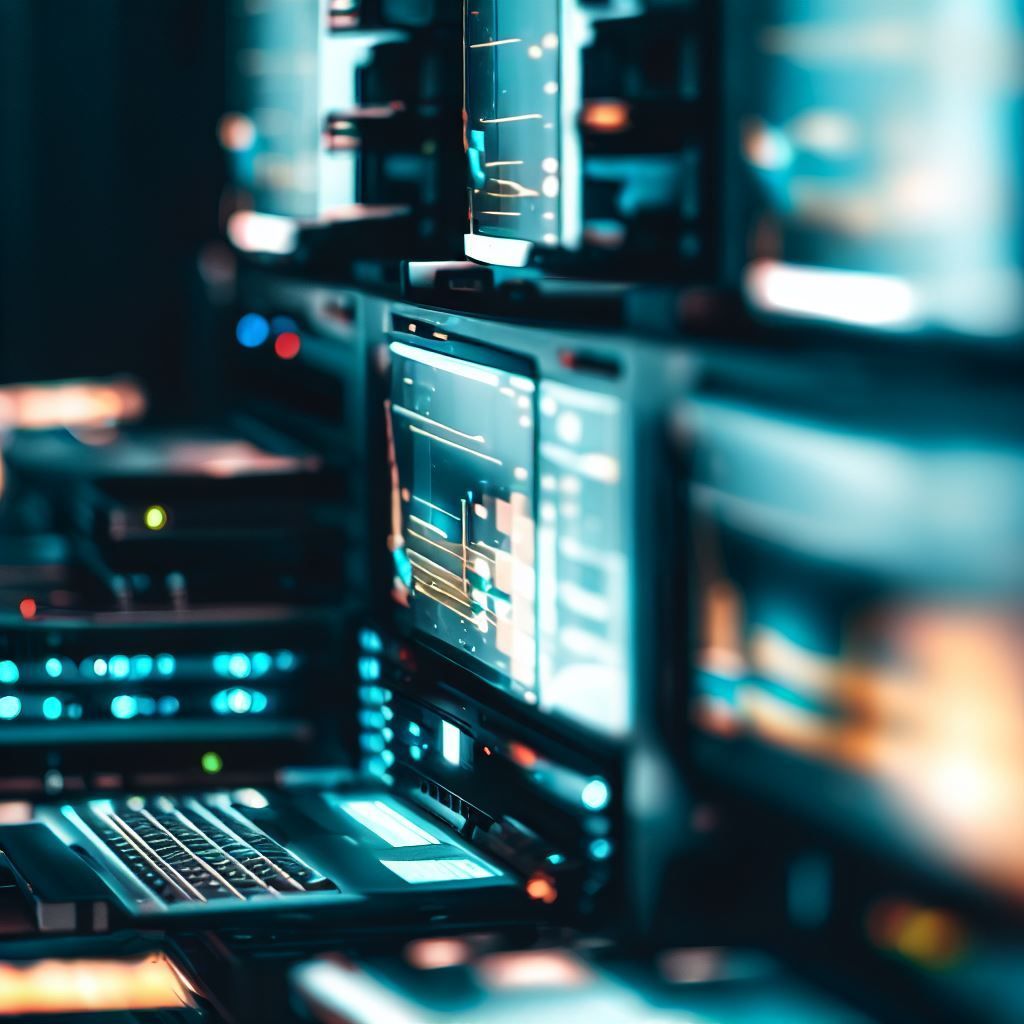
{"x":27,"y":608}
{"x":522,"y":755}
{"x":287,"y":345}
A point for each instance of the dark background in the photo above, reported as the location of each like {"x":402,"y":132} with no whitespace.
{"x":110,"y":179}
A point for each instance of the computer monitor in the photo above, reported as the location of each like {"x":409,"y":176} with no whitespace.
{"x":518,"y":97}
{"x":462,"y":539}
{"x":587,"y":136}
{"x":873,"y":159}
{"x":857,"y":637}
{"x":509,"y":513}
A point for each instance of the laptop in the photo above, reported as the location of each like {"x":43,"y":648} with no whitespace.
{"x":486,"y":789}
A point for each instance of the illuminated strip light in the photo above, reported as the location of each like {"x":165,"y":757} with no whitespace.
{"x":500,"y":213}
{"x":866,"y":300}
{"x":507,"y":120}
{"x":457,"y":869}
{"x":249,"y":231}
{"x":403,"y":411}
{"x":504,"y":163}
{"x":453,"y":444}
{"x":496,"y":42}
{"x":459,"y":367}
{"x":387,"y":824}
{"x":518,"y":190}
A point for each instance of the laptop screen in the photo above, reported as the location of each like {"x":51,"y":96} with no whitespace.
{"x":462,"y":510}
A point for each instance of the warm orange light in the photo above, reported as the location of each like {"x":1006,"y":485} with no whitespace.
{"x":27,"y":608}
{"x":542,"y":889}
{"x":94,"y":986}
{"x":522,"y":755}
{"x":605,"y":116}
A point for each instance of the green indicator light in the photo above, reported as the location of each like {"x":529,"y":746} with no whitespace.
{"x":155,"y":517}
{"x":211,"y":762}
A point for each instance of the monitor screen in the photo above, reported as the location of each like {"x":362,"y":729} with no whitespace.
{"x":875,"y":152}
{"x":510,"y":526}
{"x":858,"y":635}
{"x":513,"y":118}
{"x":462,"y":440}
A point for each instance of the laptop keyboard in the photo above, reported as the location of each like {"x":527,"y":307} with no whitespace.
{"x":198,"y":849}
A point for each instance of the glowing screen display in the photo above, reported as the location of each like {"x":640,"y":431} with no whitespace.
{"x":462,"y":509}
{"x":512,"y":118}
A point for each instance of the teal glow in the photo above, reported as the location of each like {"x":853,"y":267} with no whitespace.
{"x":165,"y":664}
{"x":142,"y":666}
{"x":600,"y":849}
{"x":124,"y":706}
{"x":220,"y":664}
{"x":369,"y":669}
{"x":370,"y":641}
{"x":556,"y":859}
{"x":168,"y":705}
{"x":53,"y":708}
{"x":285,"y":661}
{"x":239,"y":701}
{"x":10,"y":707}
{"x":99,"y":667}
{"x":9,"y":673}
{"x":259,"y":702}
{"x":54,"y":668}
{"x":414,"y":729}
{"x":239,"y":666}
{"x":119,"y":666}
{"x":262,"y":663}
{"x":595,"y":795}
{"x":415,"y":753}
{"x":388,"y":758}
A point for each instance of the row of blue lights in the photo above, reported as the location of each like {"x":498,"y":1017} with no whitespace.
{"x":117,"y":666}
{"x":122,"y":667}
{"x":51,"y":708}
{"x":239,"y":701}
{"x":239,"y":665}
{"x":126,"y":706}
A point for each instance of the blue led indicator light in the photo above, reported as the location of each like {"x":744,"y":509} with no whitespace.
{"x":165,"y":664}
{"x":52,"y":708}
{"x":415,"y":753}
{"x":369,"y":669}
{"x":285,"y":661}
{"x":9,"y":673}
{"x":259,"y":702}
{"x":252,"y":330}
{"x":414,"y":729}
{"x":370,"y":641}
{"x":142,"y":666}
{"x":600,"y":849}
{"x":54,"y":668}
{"x":119,"y":666}
{"x":124,"y":706}
{"x":10,"y":707}
{"x":239,"y":701}
{"x":99,"y":667}
{"x":239,"y":666}
{"x":595,"y":795}
{"x":168,"y":706}
{"x":262,"y":663}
